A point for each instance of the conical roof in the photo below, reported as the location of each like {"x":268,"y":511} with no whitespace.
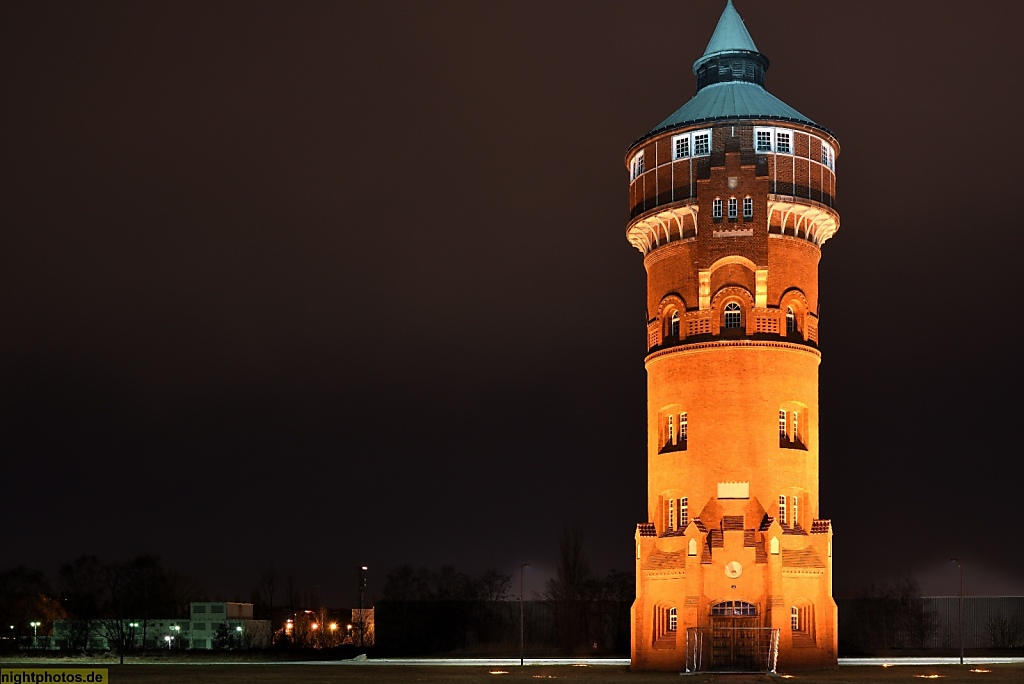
{"x":730,"y":35}
{"x":730,"y":82}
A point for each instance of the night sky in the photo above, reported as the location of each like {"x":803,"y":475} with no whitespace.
{"x":325,"y":284}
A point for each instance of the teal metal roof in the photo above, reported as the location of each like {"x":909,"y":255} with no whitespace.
{"x":730,"y":82}
{"x":732,"y":100}
{"x":730,"y":35}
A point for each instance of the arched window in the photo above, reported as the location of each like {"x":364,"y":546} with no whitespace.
{"x":673,"y":619}
{"x":790,"y":320}
{"x":732,"y":315}
{"x":673,"y":329}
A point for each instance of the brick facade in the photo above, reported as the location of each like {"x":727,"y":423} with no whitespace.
{"x":734,"y":535}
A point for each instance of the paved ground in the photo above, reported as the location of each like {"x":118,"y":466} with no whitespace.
{"x":383,"y":672}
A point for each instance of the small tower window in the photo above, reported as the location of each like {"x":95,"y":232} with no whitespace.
{"x":783,"y":431}
{"x":748,"y":207}
{"x":681,"y":146}
{"x":782,"y":510}
{"x":790,"y":320}
{"x":637,"y":165}
{"x":784,"y":142}
{"x":794,"y":619}
{"x":671,"y":430}
{"x":673,"y":330}
{"x":671,"y":514}
{"x":716,"y":209}
{"x":733,"y":315}
{"x":794,"y":510}
{"x":702,"y":143}
{"x":828,"y":157}
{"x":684,"y":512}
{"x":732,"y":208}
{"x":683,"y":427}
{"x":673,"y":619}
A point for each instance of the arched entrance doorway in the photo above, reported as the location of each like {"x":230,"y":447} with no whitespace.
{"x":738,"y":641}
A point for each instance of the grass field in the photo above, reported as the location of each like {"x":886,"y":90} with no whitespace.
{"x":323,"y":673}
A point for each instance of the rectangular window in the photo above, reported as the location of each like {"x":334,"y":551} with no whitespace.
{"x":763,"y":139}
{"x":684,"y":512}
{"x":783,"y":142}
{"x":748,"y":207}
{"x":637,"y":165}
{"x":782,"y":510}
{"x":782,"y":425}
{"x":671,"y":514}
{"x":733,"y":208}
{"x":683,"y":426}
{"x":716,"y":208}
{"x":673,"y":620}
{"x":671,"y":431}
{"x":794,"y":511}
{"x":681,"y":146}
{"x":828,"y":156}
{"x":702,"y":143}
{"x":794,"y":619}
{"x":796,"y":427}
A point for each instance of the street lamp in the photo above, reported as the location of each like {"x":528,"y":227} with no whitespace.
{"x":522,"y":622}
{"x":362,"y":587}
{"x":168,"y":639}
{"x":35,"y":628}
{"x":960,"y":564}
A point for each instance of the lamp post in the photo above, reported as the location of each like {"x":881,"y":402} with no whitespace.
{"x":238,"y":629}
{"x":177,"y":632}
{"x":960,"y":564}
{"x":522,"y":623}
{"x":362,"y":587}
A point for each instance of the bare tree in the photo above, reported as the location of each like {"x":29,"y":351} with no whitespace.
{"x":571,"y":590}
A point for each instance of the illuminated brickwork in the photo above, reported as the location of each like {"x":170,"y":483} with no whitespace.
{"x":730,"y":211}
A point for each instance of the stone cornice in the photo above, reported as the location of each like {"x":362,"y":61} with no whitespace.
{"x":705,"y":346}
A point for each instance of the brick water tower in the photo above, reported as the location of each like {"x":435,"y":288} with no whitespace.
{"x":731,"y":199}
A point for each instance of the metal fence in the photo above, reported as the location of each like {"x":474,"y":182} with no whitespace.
{"x":930,"y":622}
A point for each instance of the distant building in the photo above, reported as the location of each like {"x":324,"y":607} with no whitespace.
{"x":731,"y":199}
{"x":211,"y":624}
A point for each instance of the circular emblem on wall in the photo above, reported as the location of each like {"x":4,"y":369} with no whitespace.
{"x":733,"y":569}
